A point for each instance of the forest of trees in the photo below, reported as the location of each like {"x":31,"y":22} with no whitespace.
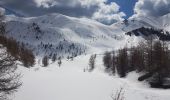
{"x":19,"y":51}
{"x":146,"y":32}
{"x":152,"y":58}
{"x":16,"y":49}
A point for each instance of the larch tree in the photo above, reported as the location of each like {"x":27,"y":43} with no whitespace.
{"x":9,"y":79}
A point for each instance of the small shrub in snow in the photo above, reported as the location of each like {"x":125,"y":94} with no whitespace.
{"x":119,"y":95}
{"x":59,"y":61}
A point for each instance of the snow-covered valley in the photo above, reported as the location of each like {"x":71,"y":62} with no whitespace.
{"x":70,"y":82}
{"x":64,"y":36}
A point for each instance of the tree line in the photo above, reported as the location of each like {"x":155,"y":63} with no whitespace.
{"x":18,"y":51}
{"x":152,"y":58}
{"x":161,"y":34}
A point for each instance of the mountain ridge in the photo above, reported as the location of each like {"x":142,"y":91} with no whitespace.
{"x":56,"y":31}
{"x":53,"y":31}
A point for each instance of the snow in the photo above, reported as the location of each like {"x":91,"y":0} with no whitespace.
{"x":85,"y":33}
{"x":165,"y":22}
{"x":144,"y":21}
{"x":70,"y":82}
{"x":55,"y":28}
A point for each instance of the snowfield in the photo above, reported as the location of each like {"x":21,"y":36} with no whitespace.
{"x":70,"y":82}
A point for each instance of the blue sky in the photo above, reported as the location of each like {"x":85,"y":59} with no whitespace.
{"x":126,"y":6}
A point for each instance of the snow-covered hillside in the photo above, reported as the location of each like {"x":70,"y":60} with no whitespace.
{"x":144,"y":21}
{"x":165,"y":22}
{"x":59,"y":34}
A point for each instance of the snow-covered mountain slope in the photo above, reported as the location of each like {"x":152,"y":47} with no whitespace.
{"x":165,"y":22}
{"x":59,"y":34}
{"x":143,"y":26}
{"x":133,"y":23}
{"x":68,"y":36}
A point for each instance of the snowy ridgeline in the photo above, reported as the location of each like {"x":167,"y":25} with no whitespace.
{"x":63,"y":36}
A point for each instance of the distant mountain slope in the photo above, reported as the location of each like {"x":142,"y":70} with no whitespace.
{"x":146,"y":32}
{"x":144,"y":26}
{"x":60,"y":35}
{"x":63,"y":36}
{"x":165,"y":22}
{"x":162,"y":22}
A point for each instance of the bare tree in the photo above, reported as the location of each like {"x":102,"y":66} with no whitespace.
{"x":107,"y":60}
{"x":9,"y":80}
{"x":54,"y":57}
{"x":122,"y":62}
{"x":59,"y":61}
{"x":119,"y":95}
{"x":92,"y":62}
{"x":27,"y":57}
{"x":160,"y":67}
{"x":113,"y":62}
{"x":150,"y":52}
{"x":45,"y":61}
{"x":136,"y":59}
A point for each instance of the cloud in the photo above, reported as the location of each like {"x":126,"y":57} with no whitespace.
{"x":2,"y":11}
{"x":94,"y":9}
{"x":152,"y":8}
{"x":109,"y":12}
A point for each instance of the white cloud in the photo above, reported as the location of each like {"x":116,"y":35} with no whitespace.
{"x":108,"y":14}
{"x":51,"y":3}
{"x":2,"y":11}
{"x":89,"y":3}
{"x":44,"y":3}
{"x":98,"y":10}
{"x":152,"y":7}
{"x":105,"y":13}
